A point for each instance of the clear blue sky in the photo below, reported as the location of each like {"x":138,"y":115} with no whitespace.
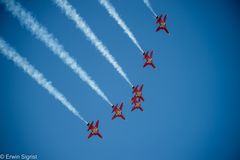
{"x":191,"y":99}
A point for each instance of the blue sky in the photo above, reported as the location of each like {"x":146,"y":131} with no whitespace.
{"x":191,"y":99}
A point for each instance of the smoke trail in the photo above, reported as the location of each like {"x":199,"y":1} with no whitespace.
{"x":11,"y":54}
{"x":150,"y":7}
{"x":72,"y":14}
{"x":111,"y":10}
{"x":42,"y":34}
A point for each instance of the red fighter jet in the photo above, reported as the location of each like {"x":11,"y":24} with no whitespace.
{"x":137,"y":106}
{"x":118,"y":111}
{"x":94,"y":129}
{"x":138,"y":93}
{"x":162,"y":23}
{"x":149,"y":60}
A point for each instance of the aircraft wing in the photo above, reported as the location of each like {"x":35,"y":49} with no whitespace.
{"x":97,"y":123}
{"x":141,"y":87}
{"x":99,"y":135}
{"x":151,"y":54}
{"x":121,"y":106}
{"x":135,"y":89}
{"x":90,"y":135}
{"x":114,"y":108}
{"x":165,"y":18}
{"x":159,"y":19}
{"x":90,"y":126}
{"x":114,"y":117}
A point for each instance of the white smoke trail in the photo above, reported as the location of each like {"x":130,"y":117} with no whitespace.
{"x":111,"y":10}
{"x":150,"y":7}
{"x":21,"y":62}
{"x":42,"y":34}
{"x":72,"y":14}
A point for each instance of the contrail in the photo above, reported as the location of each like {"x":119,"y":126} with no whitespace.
{"x":150,"y":7}
{"x":111,"y":10}
{"x":72,"y":14}
{"x":48,"y":39}
{"x":21,"y":62}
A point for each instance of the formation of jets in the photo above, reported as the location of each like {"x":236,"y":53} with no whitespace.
{"x":136,"y":90}
{"x":137,"y":93}
{"x":137,"y":98}
{"x":31,"y":24}
{"x":161,"y":26}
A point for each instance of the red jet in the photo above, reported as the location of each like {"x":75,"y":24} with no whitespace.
{"x":94,"y":129}
{"x":149,"y":60}
{"x":162,"y":23}
{"x":137,"y":106}
{"x":138,"y":93}
{"x":118,"y":111}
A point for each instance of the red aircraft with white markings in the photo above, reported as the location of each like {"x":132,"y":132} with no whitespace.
{"x":138,"y":93}
{"x":149,"y":60}
{"x":118,"y":111}
{"x":137,"y":106}
{"x":162,"y":23}
{"x":94,"y":129}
